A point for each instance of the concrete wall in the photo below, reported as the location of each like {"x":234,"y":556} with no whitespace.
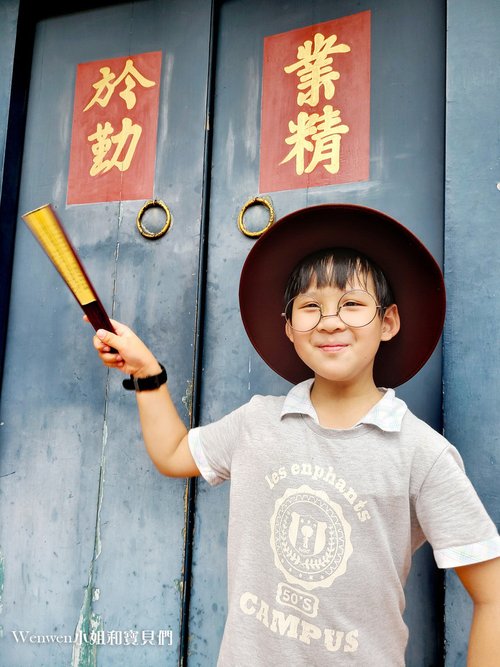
{"x":472,"y":268}
{"x":10,"y":153}
{"x":8,"y":27}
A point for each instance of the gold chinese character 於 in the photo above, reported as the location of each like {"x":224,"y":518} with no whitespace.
{"x":106,"y":86}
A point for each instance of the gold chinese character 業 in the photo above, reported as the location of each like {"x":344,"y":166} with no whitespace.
{"x":314,"y":68}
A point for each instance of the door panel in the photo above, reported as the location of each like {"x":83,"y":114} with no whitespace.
{"x":91,"y":534}
{"x":406,"y":181}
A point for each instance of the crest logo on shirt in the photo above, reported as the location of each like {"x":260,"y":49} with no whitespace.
{"x":310,"y":538}
{"x":307,"y":534}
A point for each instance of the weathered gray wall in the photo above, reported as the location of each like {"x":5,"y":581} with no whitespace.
{"x":472,"y":268}
{"x":8,"y":27}
{"x":9,"y":10}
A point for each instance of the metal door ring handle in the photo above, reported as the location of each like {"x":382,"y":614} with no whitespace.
{"x":253,"y":202}
{"x":153,"y":203}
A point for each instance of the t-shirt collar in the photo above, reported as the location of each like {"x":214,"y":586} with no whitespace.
{"x":387,"y":414}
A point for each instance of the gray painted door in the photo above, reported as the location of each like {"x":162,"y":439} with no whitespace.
{"x":406,"y":181}
{"x":89,"y":532}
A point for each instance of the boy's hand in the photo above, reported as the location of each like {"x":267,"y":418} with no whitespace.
{"x":132,"y":356}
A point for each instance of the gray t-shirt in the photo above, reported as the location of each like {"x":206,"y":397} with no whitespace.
{"x":322,"y":527}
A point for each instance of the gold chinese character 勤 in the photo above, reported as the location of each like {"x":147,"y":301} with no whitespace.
{"x":125,"y":143}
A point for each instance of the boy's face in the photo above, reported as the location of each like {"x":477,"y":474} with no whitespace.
{"x":333,"y":350}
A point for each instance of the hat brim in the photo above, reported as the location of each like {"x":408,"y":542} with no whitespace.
{"x":413,"y":274}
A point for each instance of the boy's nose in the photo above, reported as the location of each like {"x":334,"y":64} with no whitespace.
{"x":330,"y":323}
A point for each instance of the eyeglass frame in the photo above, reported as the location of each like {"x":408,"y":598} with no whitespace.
{"x":337,"y":314}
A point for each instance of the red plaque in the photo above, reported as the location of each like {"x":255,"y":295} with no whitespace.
{"x":315,"y":127}
{"x":115,"y":118}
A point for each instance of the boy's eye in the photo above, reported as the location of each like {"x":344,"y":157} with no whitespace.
{"x":310,"y":306}
{"x":357,"y":299}
{"x":351,"y":304}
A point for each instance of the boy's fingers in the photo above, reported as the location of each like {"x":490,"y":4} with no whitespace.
{"x":119,"y":327}
{"x":112,"y":360}
{"x":100,"y":346}
{"x":108,"y":338}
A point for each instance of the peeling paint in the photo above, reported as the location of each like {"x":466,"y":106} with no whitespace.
{"x":186,"y":509}
{"x":179,"y":586}
{"x":97,"y":544}
{"x":85,"y":651}
{"x":187,"y":399}
{"x":1,"y":588}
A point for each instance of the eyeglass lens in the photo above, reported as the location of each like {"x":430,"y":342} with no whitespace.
{"x":355,"y":308}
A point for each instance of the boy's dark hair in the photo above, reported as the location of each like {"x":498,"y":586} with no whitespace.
{"x":337,"y":267}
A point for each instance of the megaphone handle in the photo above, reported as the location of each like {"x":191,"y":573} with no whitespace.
{"x":98,"y":317}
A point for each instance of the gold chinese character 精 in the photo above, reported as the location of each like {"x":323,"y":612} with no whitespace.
{"x":319,"y":135}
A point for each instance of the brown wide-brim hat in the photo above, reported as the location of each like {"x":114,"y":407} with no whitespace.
{"x":413,"y":274}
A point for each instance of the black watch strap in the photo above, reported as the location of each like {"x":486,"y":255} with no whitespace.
{"x":146,"y":384}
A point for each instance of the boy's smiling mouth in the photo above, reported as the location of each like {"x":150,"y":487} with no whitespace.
{"x":332,"y":347}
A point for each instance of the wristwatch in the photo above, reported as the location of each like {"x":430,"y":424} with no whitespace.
{"x":148,"y":383}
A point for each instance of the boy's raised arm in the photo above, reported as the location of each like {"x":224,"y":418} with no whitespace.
{"x":482,"y":582}
{"x":164,"y":432}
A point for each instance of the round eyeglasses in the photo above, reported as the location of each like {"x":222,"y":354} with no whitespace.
{"x":355,"y":308}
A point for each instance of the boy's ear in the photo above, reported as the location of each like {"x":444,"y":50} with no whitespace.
{"x":391,"y":322}
{"x":289,"y":332}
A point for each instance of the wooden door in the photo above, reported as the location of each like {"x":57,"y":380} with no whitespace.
{"x":405,"y":180}
{"x":92,"y":536}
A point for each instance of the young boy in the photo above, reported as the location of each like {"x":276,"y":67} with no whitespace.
{"x":334,"y":486}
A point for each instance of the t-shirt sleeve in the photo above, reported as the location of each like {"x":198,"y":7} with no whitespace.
{"x":212,"y":446}
{"x":452,"y":516}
